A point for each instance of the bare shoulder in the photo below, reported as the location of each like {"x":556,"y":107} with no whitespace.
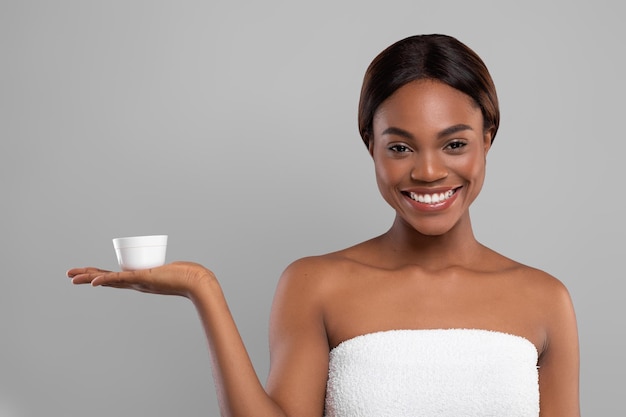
{"x":527,"y":276}
{"x":543,"y":293}
{"x":314,"y":280}
{"x":544,"y":285}
{"x":317,"y":273}
{"x":302,"y":295}
{"x":553,"y":297}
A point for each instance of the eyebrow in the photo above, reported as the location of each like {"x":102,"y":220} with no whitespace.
{"x":445,"y":132}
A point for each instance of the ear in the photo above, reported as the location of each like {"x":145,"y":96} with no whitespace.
{"x":370,"y":145}
{"x":487,"y":139}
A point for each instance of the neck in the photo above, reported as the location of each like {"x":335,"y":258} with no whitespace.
{"x":457,"y":247}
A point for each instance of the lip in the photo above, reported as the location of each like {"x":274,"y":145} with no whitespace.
{"x":432,"y":207}
{"x":431,"y":190}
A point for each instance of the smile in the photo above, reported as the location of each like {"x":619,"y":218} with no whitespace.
{"x":434,"y":198}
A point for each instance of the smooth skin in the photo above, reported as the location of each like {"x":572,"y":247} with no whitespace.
{"x":427,"y":271}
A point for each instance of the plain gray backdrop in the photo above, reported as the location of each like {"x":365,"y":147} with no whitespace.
{"x":231,"y":127}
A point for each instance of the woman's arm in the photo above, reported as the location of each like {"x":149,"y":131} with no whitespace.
{"x":299,"y":349}
{"x":239,"y":391}
{"x":559,"y":361}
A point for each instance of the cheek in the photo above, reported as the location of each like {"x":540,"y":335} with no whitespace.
{"x":381,"y":176}
{"x":388,"y":172}
{"x":388,"y":176}
{"x":473,"y":169}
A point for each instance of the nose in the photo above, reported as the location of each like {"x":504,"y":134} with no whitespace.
{"x":428,"y":167}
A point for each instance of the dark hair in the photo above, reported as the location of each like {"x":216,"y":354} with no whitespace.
{"x":436,"y":57}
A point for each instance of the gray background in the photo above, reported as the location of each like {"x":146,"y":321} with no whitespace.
{"x":232,"y":128}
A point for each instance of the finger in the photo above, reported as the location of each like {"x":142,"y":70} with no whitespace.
{"x":88,"y":275}
{"x":85,"y":270}
{"x":84,"y":278}
{"x":124,"y":279}
{"x":99,"y":280}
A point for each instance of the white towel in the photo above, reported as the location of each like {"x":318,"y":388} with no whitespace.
{"x":433,"y":373}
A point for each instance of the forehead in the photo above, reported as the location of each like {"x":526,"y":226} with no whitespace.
{"x":427,"y":105}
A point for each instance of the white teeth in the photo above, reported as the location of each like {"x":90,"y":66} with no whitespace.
{"x":432,"y":198}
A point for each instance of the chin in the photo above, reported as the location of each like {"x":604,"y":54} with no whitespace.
{"x":431,"y":229}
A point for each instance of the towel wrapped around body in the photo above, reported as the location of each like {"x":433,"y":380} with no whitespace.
{"x":433,"y":373}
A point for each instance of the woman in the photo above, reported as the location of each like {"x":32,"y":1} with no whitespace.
{"x":422,"y":320}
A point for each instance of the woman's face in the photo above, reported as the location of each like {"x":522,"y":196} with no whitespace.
{"x":429,"y":148}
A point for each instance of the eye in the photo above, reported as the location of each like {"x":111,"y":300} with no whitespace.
{"x":399,"y":148}
{"x":456,"y":145}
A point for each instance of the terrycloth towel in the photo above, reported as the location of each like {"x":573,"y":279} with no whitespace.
{"x":433,"y":373}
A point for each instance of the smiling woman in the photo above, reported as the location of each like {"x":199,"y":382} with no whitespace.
{"x":421,"y":320}
{"x":429,"y":148}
